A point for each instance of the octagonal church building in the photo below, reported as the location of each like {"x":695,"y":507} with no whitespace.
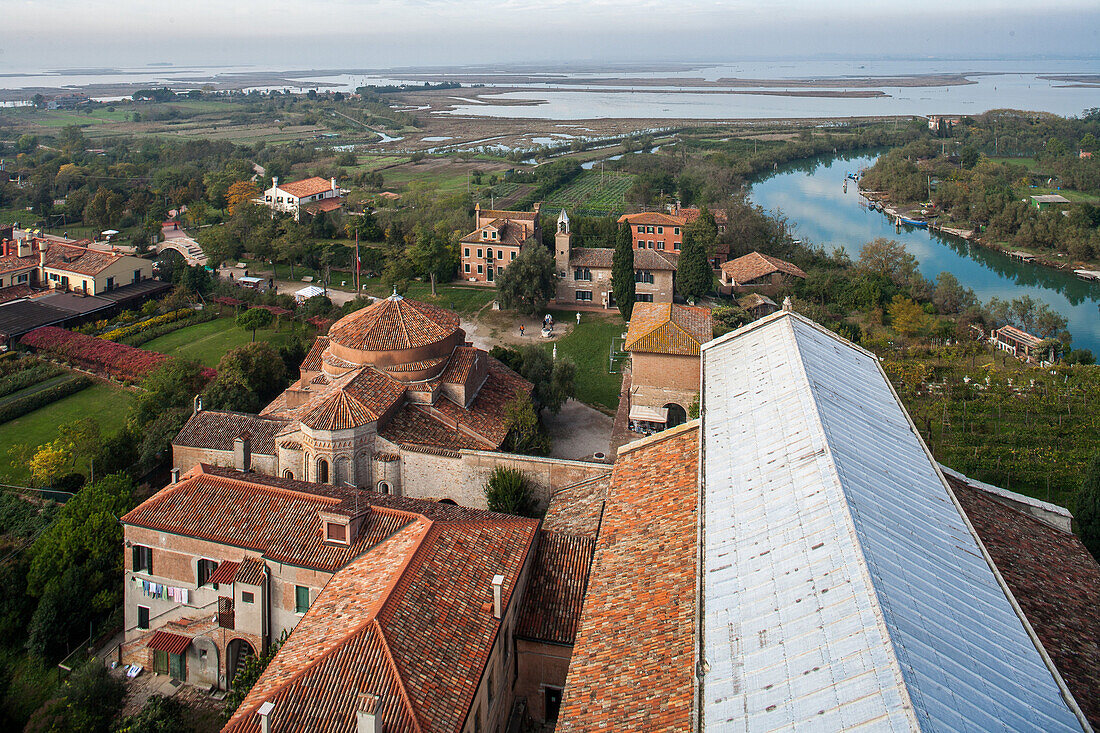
{"x":394,"y":399}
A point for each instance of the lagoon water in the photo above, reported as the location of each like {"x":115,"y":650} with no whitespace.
{"x":812,"y":197}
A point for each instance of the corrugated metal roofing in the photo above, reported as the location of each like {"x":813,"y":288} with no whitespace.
{"x":163,"y":641}
{"x":842,"y":584}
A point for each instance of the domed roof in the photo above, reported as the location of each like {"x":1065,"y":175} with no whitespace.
{"x":394,"y":324}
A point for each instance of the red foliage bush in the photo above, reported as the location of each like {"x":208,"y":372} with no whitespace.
{"x":95,"y":354}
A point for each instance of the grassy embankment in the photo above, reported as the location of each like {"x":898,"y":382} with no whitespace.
{"x":208,"y":342}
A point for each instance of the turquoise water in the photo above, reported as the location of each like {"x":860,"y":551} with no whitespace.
{"x":812,"y":197}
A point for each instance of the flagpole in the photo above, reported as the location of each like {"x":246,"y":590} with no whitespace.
{"x":358,"y":285}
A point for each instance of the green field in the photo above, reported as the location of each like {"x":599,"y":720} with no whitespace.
{"x":106,"y":403}
{"x":1030,"y":163}
{"x":208,"y":342}
{"x":593,"y":190}
{"x":462,"y":299}
{"x":589,"y":346}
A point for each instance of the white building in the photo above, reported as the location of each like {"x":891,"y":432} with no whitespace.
{"x":310,"y":195}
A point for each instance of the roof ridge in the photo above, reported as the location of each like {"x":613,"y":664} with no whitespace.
{"x":385,"y":644}
{"x":266,"y":487}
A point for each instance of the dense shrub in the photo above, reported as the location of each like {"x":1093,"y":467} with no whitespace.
{"x":39,"y":372}
{"x":122,"y":332}
{"x":29,"y":403}
{"x":99,"y":355}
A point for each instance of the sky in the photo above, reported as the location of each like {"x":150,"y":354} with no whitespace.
{"x":52,"y":34}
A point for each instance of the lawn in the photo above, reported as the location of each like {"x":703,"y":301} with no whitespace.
{"x":106,"y":403}
{"x":208,"y":342}
{"x":1030,"y":163}
{"x":462,"y":299}
{"x":589,"y":346}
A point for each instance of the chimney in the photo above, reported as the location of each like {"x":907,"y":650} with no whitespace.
{"x":42,"y":254}
{"x":536,"y":207}
{"x":274,"y":181}
{"x":263,"y":714}
{"x":22,"y":248}
{"x":242,"y":453}
{"x":175,"y":475}
{"x":333,"y":183}
{"x":368,"y":716}
{"x":498,"y":605}
{"x":787,"y":304}
{"x":6,"y":252}
{"x":198,"y":403}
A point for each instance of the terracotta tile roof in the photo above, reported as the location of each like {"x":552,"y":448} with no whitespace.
{"x":555,"y":593}
{"x":375,"y":629}
{"x":577,"y":509}
{"x":224,"y":573}
{"x":324,"y":205}
{"x":1020,"y":335}
{"x":516,"y":215}
{"x":755,"y":265}
{"x":250,"y":572}
{"x":461,"y":364}
{"x":655,"y":259}
{"x":277,"y":518}
{"x":394,"y":324}
{"x":416,"y":366}
{"x":15,"y":263}
{"x":1056,"y":582}
{"x":353,"y":400}
{"x":312,"y":361}
{"x":217,"y":429}
{"x":597,"y":257}
{"x":15,"y":292}
{"x":164,"y":641}
{"x":510,"y":234}
{"x":633,"y":663}
{"x":79,"y":260}
{"x":689,"y":215}
{"x":667,"y":328}
{"x":652,"y":217}
{"x":307,"y":186}
{"x":486,"y":416}
{"x":414,"y":426}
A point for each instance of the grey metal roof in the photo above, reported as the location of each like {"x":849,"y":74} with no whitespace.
{"x":842,"y":585}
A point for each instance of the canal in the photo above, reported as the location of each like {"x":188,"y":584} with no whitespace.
{"x":811,"y":195}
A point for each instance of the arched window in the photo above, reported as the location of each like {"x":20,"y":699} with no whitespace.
{"x":288,"y":474}
{"x":677,"y":415}
{"x":384,"y":487}
{"x":322,"y":471}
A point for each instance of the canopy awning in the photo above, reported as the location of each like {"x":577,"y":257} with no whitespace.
{"x":164,"y":641}
{"x":309,"y":292}
{"x":649,"y":414}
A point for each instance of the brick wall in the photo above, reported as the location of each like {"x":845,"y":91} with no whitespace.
{"x":538,"y":666}
{"x":667,"y":371}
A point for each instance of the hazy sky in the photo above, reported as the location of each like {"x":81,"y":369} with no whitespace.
{"x":379,"y":33}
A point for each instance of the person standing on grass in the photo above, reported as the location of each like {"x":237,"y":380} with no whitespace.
{"x":521,"y":329}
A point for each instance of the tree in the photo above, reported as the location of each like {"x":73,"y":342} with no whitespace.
{"x":248,"y":673}
{"x":553,"y":380}
{"x":255,"y":318}
{"x":248,"y":377}
{"x":527,"y":283}
{"x":705,"y":231}
{"x":907,"y":316}
{"x":889,"y":259}
{"x":171,"y":385}
{"x":432,"y":257}
{"x":159,"y":715}
{"x":950,"y":296}
{"x":694,"y":278}
{"x":240,"y":194}
{"x":1086,"y":507}
{"x":88,"y":701}
{"x":622,"y":271}
{"x":218,"y":244}
{"x":508,"y":491}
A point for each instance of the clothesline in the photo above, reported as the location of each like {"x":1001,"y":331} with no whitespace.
{"x":164,"y":592}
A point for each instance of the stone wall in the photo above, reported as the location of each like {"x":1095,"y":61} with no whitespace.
{"x":540,"y":665}
{"x":185,"y":458}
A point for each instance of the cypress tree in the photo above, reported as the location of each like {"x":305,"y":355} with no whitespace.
{"x":622,"y":271}
{"x":1086,"y":507}
{"x":694,"y":278}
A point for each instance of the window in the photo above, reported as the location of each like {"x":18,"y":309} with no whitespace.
{"x":480,"y":269}
{"x":676,"y":231}
{"x":582,"y":273}
{"x":649,"y":230}
{"x":641,"y":230}
{"x":650,"y":244}
{"x":494,"y":235}
{"x":643,"y":276}
{"x":661,"y":244}
{"x":466,"y":252}
{"x":484,"y":233}
{"x":641,"y":244}
{"x":467,"y":267}
{"x":480,"y":253}
{"x":301,"y":599}
{"x":383,"y":487}
{"x":22,"y":278}
{"x":322,"y":471}
{"x":288,"y":474}
{"x":489,"y":255}
{"x":489,"y":274}
{"x":489,"y":690}
{"x":513,"y":255}
{"x":643,"y":298}
{"x":336,"y":532}
{"x":247,"y":597}
{"x":500,"y":270}
{"x":143,"y":617}
{"x":143,"y":559}
{"x":553,"y":702}
{"x":660,"y":230}
{"x":500,"y":254}
{"x":206,"y":569}
{"x":676,"y":246}
{"x":584,"y":295}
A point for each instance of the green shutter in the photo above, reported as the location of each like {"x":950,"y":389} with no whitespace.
{"x":301,"y":598}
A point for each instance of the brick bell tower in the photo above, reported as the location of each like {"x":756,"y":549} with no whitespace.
{"x":561,"y":244}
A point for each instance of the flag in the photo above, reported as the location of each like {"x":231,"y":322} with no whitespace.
{"x":357,"y":285}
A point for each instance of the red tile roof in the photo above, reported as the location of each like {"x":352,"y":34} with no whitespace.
{"x":666,"y":328}
{"x":633,"y":665}
{"x":250,"y":571}
{"x":325,"y":205}
{"x":217,"y":429}
{"x":164,"y":641}
{"x":277,"y":518}
{"x":376,"y":629}
{"x":224,"y":573}
{"x":555,"y":593}
{"x":501,"y":214}
{"x":599,"y":257}
{"x":651,"y":217}
{"x":15,"y":263}
{"x":1056,"y":582}
{"x":577,"y":509}
{"x":307,"y":186}
{"x":461,"y":364}
{"x":510,"y":234}
{"x":486,"y":416}
{"x":394,"y":324}
{"x":15,"y":292}
{"x":365,"y":399}
{"x":79,"y":260}
{"x":755,"y":265}
{"x":312,"y":362}
{"x":413,"y":426}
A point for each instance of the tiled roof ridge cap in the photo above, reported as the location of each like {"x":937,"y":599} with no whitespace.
{"x":371,"y":617}
{"x":265,"y":487}
{"x":1003,"y":493}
